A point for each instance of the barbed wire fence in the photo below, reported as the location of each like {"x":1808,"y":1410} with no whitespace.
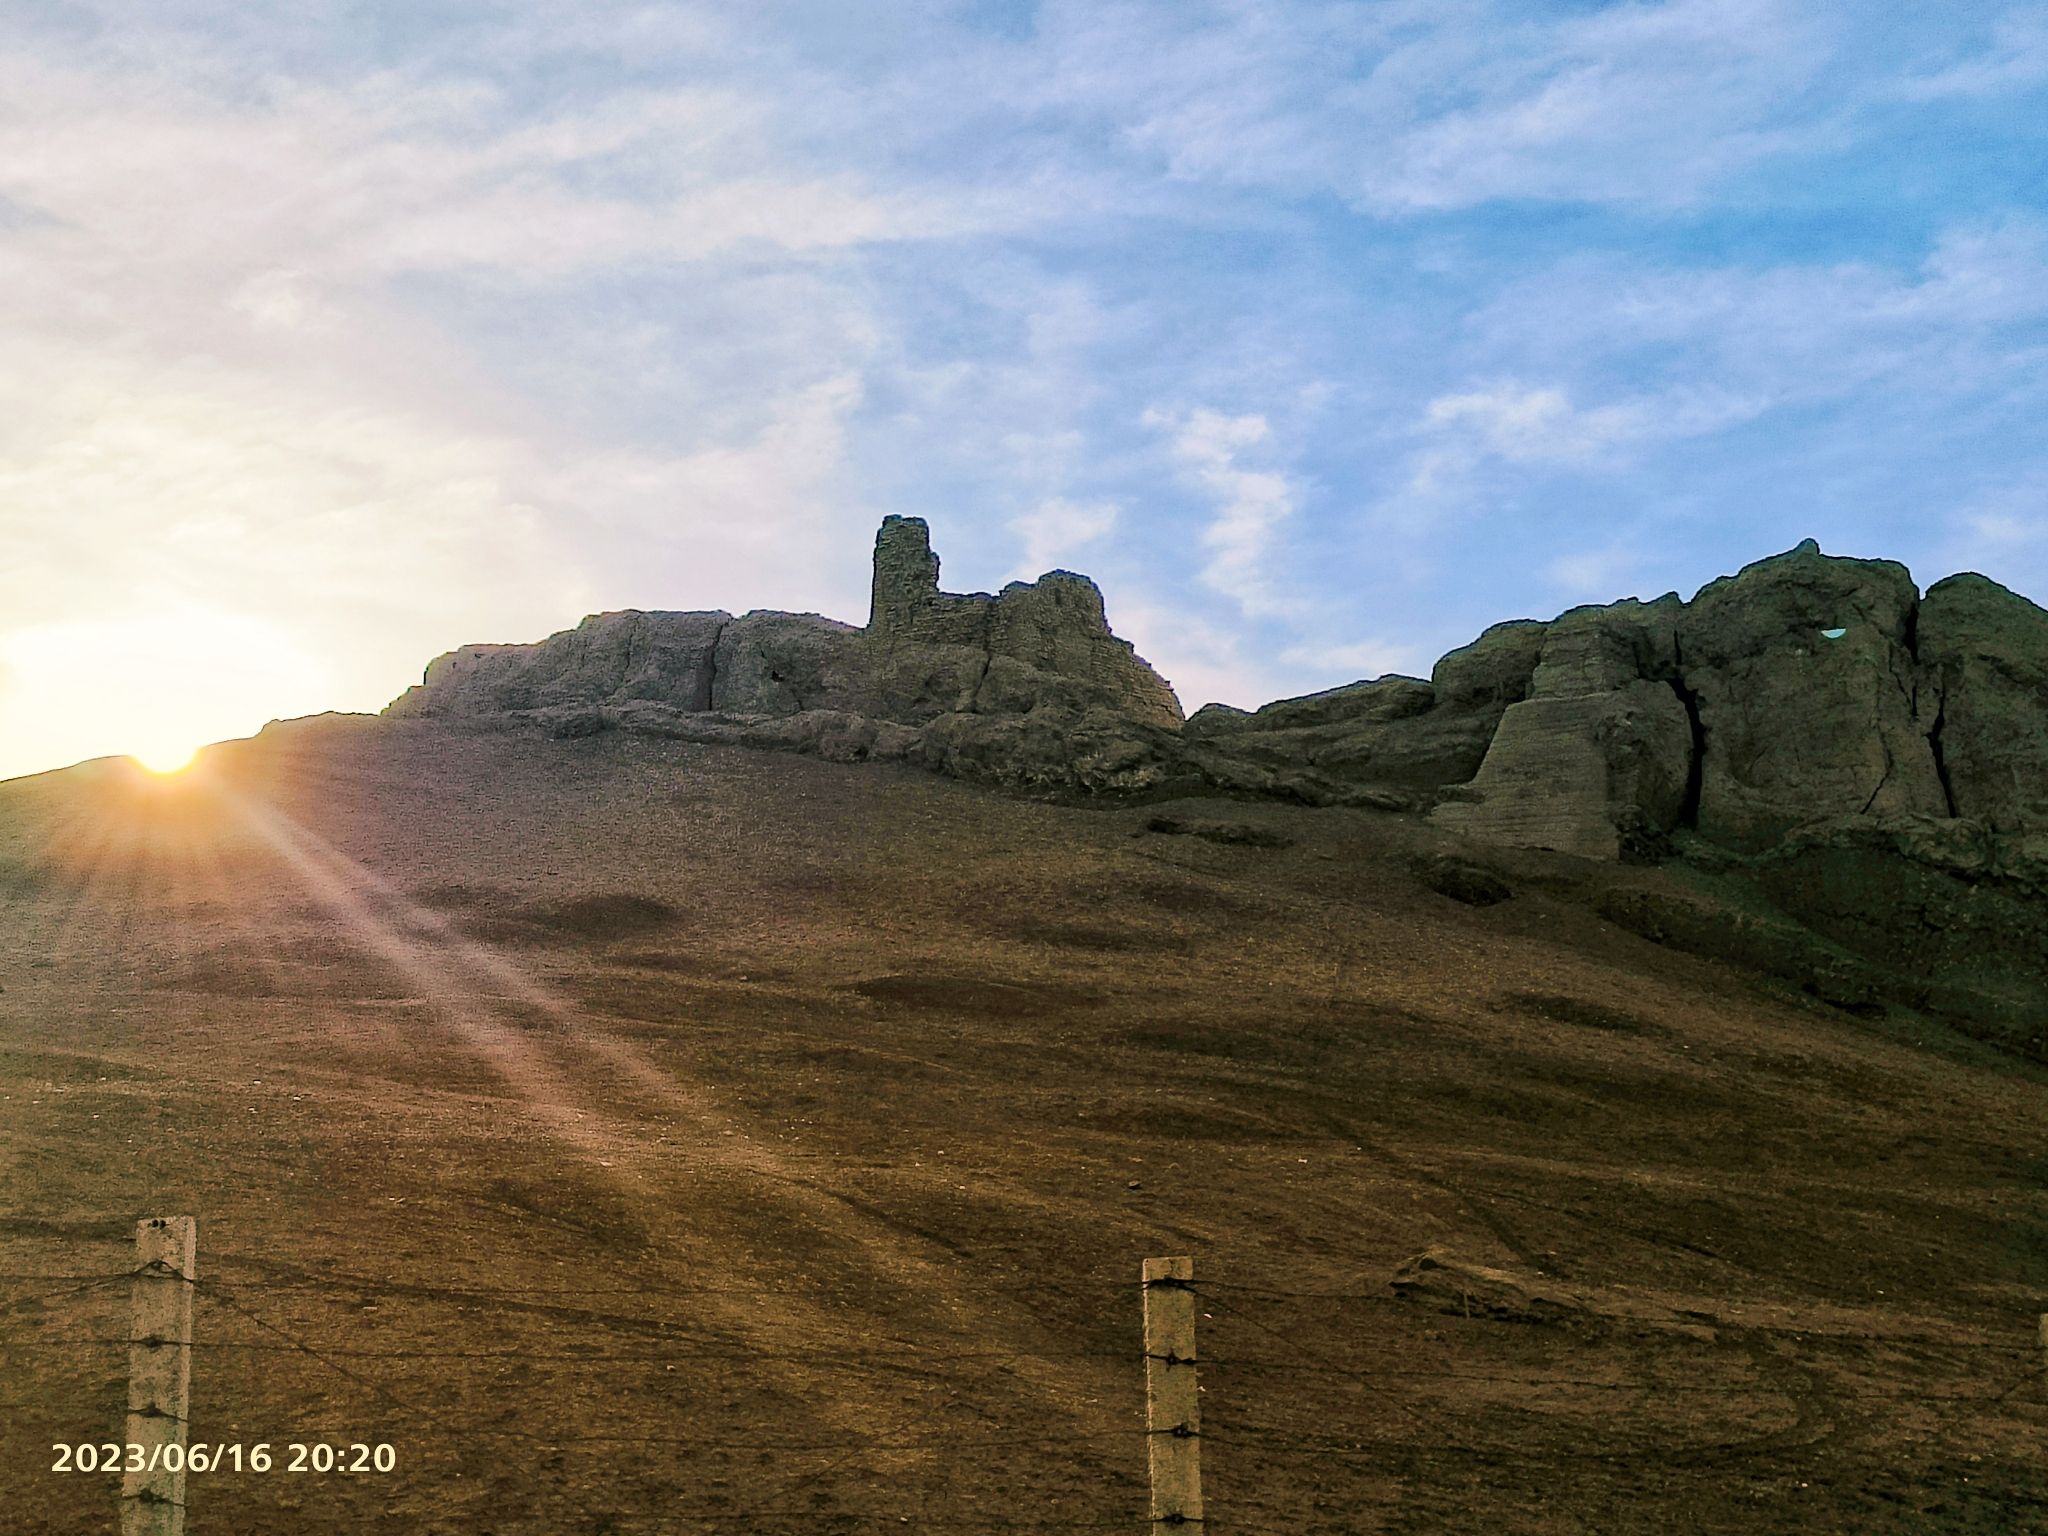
{"x":248,"y":1330}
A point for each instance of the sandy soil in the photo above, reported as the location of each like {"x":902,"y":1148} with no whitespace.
{"x":641,"y":1137}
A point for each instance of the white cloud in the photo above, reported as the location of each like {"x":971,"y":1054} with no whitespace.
{"x":1636,"y":103}
{"x":1413,"y":105}
{"x":190,"y":544}
{"x":2001,"y":530}
{"x":391,"y":177}
{"x":1716,"y":346}
{"x":1593,"y":575}
{"x":1055,"y":529}
{"x":619,"y":303}
{"x":1354,"y":660}
{"x":1470,"y":440}
{"x":1534,"y":426}
{"x":2017,"y":60}
{"x":1251,"y":504}
{"x":226,"y":419}
{"x":768,"y":520}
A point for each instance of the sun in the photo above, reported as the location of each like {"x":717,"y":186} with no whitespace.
{"x":167,"y":757}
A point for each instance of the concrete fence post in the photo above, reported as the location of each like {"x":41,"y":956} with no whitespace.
{"x":1173,"y":1410}
{"x":159,"y":1377}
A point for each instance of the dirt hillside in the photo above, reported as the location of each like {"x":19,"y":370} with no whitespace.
{"x":640,"y":1136}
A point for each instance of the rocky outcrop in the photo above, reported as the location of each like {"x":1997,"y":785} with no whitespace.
{"x":1392,"y":741}
{"x":1803,"y":689}
{"x":1593,"y":774}
{"x":785,"y":663}
{"x":1041,"y":643}
{"x":615,"y":656}
{"x":1598,"y":760}
{"x":1984,"y":667}
{"x":1807,"y":690}
{"x":1947,"y":911}
{"x":1027,"y":687}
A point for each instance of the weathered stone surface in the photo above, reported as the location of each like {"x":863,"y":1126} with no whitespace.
{"x":836,"y":735}
{"x":782,"y":663}
{"x":1374,"y":702}
{"x":1790,"y":695}
{"x":1598,"y":648}
{"x":1098,"y":750}
{"x":916,"y":683}
{"x":1801,"y":722}
{"x":1055,"y":626}
{"x":1984,"y":652}
{"x":905,"y":582}
{"x":609,"y":656}
{"x":1421,"y":752}
{"x":1027,"y":687}
{"x":1390,"y":735}
{"x":1948,"y":908}
{"x":1591,"y":774}
{"x":1598,"y":760}
{"x":1494,"y":670}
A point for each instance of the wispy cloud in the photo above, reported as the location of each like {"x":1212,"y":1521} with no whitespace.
{"x":1712,"y":346}
{"x":2001,"y":530}
{"x":1467,"y":442}
{"x":1206,"y":662}
{"x":1250,"y":505}
{"x":1355,"y":660}
{"x":1057,"y":529}
{"x":1534,"y":425}
{"x":2015,"y":60}
{"x":1406,"y":107}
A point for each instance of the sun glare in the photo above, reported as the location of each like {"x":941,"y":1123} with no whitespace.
{"x":166,"y":759}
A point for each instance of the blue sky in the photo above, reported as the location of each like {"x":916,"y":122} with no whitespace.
{"x":1322,"y":335}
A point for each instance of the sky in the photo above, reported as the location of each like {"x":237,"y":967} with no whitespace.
{"x":335,"y":334}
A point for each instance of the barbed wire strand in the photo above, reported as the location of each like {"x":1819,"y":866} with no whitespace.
{"x":215,"y":1292}
{"x":92,"y":1283}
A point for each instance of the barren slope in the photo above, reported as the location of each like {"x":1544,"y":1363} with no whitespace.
{"x":650,"y":1137}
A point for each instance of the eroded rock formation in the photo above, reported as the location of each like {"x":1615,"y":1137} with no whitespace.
{"x":1807,"y":685}
{"x":1393,"y":742}
{"x":1599,"y":758}
{"x":1026,"y":687}
{"x":1983,"y":655}
{"x":1803,"y":689}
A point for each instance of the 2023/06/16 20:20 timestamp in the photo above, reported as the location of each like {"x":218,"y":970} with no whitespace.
{"x":316,"y":1456}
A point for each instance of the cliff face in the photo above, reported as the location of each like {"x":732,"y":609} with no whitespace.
{"x":1983,"y":654}
{"x":1803,"y":688}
